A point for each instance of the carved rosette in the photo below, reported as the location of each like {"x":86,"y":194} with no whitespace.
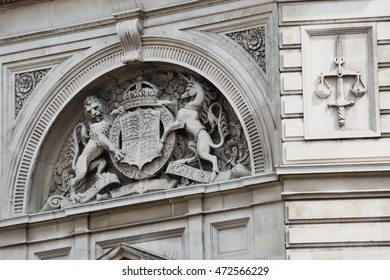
{"x":253,"y":41}
{"x":25,"y":83}
{"x":156,"y":141}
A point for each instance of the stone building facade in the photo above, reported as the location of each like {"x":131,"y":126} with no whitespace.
{"x":220,"y":129}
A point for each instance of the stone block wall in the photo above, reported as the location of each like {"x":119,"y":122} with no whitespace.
{"x":335,"y":176}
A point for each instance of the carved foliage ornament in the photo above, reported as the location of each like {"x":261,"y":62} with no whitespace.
{"x":253,"y":41}
{"x":175,"y":132}
{"x":25,"y":83}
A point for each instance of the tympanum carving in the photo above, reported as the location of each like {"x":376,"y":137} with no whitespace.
{"x":175,"y":132}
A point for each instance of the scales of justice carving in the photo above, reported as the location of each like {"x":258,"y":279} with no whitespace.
{"x":149,"y":137}
{"x":324,"y":88}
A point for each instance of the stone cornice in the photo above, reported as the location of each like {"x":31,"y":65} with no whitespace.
{"x":186,"y":193}
{"x":10,"y":4}
{"x":149,"y":15}
{"x":332,"y":168}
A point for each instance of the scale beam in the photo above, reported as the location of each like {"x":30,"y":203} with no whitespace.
{"x":324,"y":89}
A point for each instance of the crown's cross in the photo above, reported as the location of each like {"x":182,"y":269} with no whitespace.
{"x":358,"y":88}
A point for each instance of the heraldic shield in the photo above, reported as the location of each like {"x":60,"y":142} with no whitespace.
{"x":140,"y":136}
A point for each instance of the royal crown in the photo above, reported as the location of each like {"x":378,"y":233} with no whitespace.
{"x":141,"y":93}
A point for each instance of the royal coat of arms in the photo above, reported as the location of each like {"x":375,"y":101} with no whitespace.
{"x":147,"y":138}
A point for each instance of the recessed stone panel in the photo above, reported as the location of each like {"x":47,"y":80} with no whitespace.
{"x":230,"y":238}
{"x":316,"y":152}
{"x":342,"y":253}
{"x":339,"y":85}
{"x":320,"y":210}
{"x":325,"y":234}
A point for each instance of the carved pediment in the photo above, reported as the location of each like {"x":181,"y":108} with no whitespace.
{"x":124,"y":251}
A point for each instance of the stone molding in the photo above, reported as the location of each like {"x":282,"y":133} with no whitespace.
{"x":178,"y":193}
{"x":54,"y":253}
{"x":322,"y":12}
{"x":101,"y":246}
{"x":125,"y":251}
{"x":161,"y":50}
{"x":10,"y":4}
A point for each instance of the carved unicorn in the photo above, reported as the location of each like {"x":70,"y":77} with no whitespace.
{"x":188,"y":118}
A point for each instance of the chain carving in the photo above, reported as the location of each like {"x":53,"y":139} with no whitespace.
{"x":253,"y":41}
{"x":25,"y":83}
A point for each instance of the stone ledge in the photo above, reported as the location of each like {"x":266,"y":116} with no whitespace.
{"x":332,"y":168}
{"x":185,"y":192}
{"x":381,"y":193}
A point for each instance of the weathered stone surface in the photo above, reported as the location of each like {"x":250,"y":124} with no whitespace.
{"x":194,"y":129}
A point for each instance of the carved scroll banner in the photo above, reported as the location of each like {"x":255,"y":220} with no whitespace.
{"x":144,"y":186}
{"x":60,"y":201}
{"x":56,"y":202}
{"x":189,"y":172}
{"x":106,"y":180}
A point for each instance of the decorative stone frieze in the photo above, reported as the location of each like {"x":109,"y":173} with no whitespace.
{"x":253,"y":41}
{"x":25,"y":83}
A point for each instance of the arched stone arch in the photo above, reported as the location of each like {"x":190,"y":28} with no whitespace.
{"x":95,"y":64}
